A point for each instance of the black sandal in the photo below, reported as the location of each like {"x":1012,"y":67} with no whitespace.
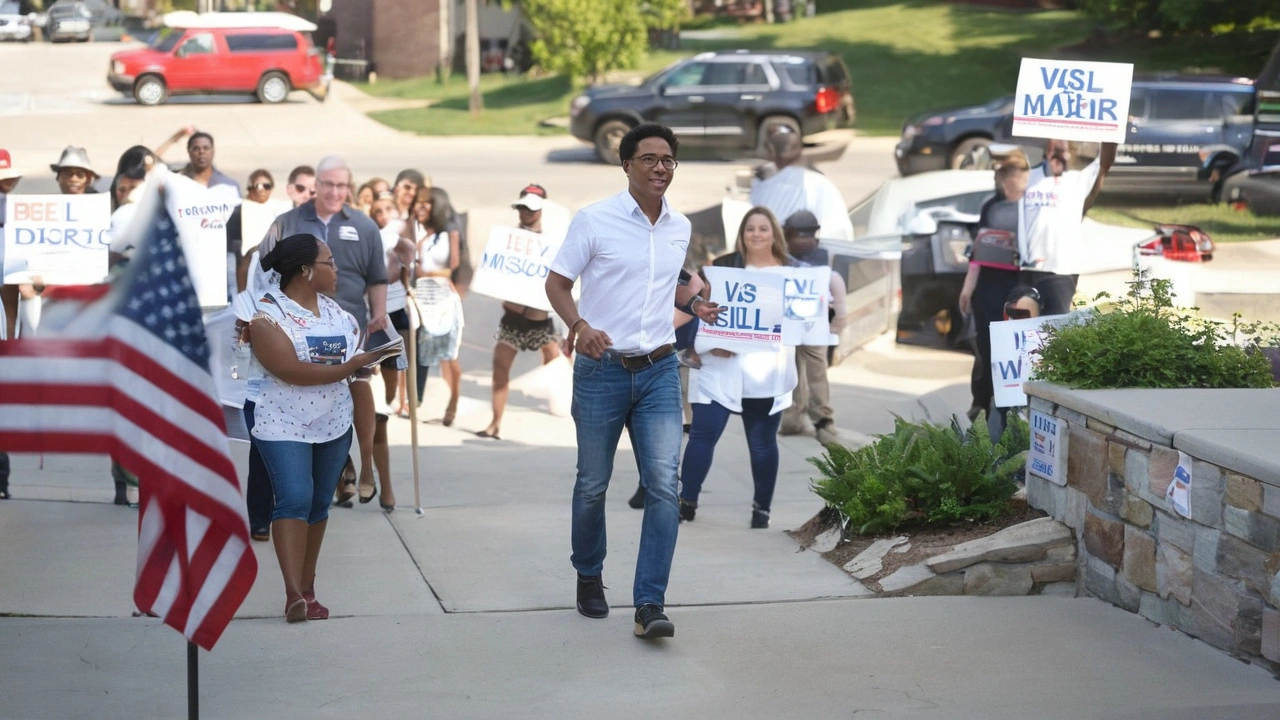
{"x":348,"y":484}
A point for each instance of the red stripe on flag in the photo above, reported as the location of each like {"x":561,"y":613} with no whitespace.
{"x":127,"y":355}
{"x":130,"y":409}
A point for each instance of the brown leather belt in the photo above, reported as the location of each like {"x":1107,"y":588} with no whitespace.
{"x":640,"y":362}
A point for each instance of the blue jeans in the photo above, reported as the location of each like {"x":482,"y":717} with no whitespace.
{"x":258,"y":497}
{"x":304,"y":475}
{"x":709,"y":420}
{"x":605,"y":396}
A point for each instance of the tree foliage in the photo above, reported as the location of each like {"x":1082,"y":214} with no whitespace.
{"x":1182,"y":15}
{"x":586,"y":38}
{"x":665,"y":14}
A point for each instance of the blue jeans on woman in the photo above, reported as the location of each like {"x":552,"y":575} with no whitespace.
{"x":257,"y":494}
{"x":605,"y":396}
{"x":304,"y":475}
{"x":709,"y":420}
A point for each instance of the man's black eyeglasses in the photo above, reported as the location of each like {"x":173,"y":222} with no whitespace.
{"x":299,"y":187}
{"x":651,"y":161}
{"x":1013,"y":312}
{"x":266,"y":186}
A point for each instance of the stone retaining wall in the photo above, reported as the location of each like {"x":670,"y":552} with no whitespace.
{"x":1212,"y":576}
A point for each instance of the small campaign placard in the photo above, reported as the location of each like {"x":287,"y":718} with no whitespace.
{"x":1015,"y":351}
{"x":1045,"y":454}
{"x":56,"y":239}
{"x":515,"y":264}
{"x":1072,"y":100}
{"x":753,"y":310}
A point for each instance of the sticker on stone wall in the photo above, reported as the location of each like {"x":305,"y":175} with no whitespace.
{"x":1179,"y":492}
{"x":1044,"y":458}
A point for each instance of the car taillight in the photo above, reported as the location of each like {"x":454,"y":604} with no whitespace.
{"x":827,"y":99}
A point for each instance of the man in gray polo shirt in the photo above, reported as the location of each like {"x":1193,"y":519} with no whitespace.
{"x":356,"y":244}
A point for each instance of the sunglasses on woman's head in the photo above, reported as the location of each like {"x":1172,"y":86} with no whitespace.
{"x":1013,"y":312}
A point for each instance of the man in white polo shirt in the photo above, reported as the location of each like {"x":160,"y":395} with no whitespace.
{"x":628,"y":250}
{"x":1049,"y":217}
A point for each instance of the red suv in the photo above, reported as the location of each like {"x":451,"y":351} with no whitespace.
{"x":266,"y":61}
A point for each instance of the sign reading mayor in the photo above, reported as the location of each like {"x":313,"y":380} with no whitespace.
{"x":515,"y":264}
{"x":59,"y":239}
{"x":1067,"y":100}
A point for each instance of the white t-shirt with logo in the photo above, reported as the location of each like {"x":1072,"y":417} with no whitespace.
{"x":1049,"y":217}
{"x":307,"y":413}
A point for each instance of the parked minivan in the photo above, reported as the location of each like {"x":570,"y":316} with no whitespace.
{"x":212,"y":55}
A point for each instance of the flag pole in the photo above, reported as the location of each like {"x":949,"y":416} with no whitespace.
{"x":193,"y":682}
{"x":411,"y":389}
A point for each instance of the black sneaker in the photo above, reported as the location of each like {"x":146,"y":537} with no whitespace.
{"x":688,"y":509}
{"x":591,"y":602}
{"x":652,"y":623}
{"x":759,"y":519}
{"x":637,"y":501}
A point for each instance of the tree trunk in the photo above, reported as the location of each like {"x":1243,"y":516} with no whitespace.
{"x":473,"y":57}
{"x":445,"y":68}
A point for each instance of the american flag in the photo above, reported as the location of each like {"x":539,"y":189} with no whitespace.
{"x":127,"y":374}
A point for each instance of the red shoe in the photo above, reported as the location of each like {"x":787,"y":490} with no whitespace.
{"x":315,"y":611}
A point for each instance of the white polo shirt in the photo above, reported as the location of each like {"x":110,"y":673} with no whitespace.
{"x":628,"y":268}
{"x":1049,"y":217}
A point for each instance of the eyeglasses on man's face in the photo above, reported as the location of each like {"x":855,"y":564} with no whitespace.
{"x":299,"y":187}
{"x":652,"y":161}
{"x":327,"y":186}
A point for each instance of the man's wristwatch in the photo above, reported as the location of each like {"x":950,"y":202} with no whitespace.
{"x":687,"y":308}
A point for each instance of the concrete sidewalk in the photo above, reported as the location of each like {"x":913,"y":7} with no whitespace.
{"x":467,"y":612}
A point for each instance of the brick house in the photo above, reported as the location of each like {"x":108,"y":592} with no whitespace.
{"x":408,"y":38}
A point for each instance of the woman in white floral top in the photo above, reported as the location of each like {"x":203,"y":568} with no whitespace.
{"x":307,"y":347}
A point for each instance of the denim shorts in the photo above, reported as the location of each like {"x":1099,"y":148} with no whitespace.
{"x":304,"y":475}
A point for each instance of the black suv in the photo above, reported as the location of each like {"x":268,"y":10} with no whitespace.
{"x":721,"y":99}
{"x":1184,"y":131}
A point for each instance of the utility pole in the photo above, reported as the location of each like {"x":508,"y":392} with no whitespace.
{"x":446,"y":42}
{"x":473,"y":58}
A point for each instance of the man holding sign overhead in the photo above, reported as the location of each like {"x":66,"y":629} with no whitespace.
{"x":628,"y":250}
{"x":1064,"y":101}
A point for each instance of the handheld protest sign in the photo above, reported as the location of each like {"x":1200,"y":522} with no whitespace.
{"x":201,"y":215}
{"x":515,"y":264}
{"x":1015,"y":351}
{"x":805,"y":298}
{"x":1072,"y":100}
{"x":58,"y":239}
{"x":753,"y":311}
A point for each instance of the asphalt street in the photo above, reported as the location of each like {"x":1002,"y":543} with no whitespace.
{"x":467,"y":611}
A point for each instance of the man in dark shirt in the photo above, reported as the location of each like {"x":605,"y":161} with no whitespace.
{"x":200,"y":163}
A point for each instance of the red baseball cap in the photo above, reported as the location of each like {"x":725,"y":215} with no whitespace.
{"x":7,"y":170}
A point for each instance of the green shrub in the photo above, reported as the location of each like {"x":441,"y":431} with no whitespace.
{"x":923,"y":473}
{"x":1144,"y":342}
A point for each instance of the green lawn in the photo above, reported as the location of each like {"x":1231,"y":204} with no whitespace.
{"x":905,"y":56}
{"x":1222,"y":222}
{"x":512,"y":105}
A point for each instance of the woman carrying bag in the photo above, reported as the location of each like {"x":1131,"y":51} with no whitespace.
{"x":440,"y":335}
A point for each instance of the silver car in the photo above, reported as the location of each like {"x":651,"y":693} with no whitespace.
{"x":13,"y":25}
{"x":69,"y":21}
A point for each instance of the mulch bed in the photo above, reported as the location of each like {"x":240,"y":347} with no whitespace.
{"x":925,"y":542}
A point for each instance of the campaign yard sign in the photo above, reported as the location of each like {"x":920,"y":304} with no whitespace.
{"x":1045,"y":455}
{"x":59,"y":239}
{"x":753,"y":310}
{"x":805,"y":294}
{"x":1072,"y":100}
{"x":515,"y":264}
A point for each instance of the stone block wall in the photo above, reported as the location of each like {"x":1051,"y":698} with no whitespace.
{"x":1212,"y":576}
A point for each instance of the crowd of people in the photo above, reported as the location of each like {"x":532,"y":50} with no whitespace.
{"x":344,"y":268}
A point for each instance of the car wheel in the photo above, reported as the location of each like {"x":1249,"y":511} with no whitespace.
{"x":972,"y":154}
{"x":273,"y":88}
{"x":762,"y":133}
{"x":150,"y":90}
{"x":608,"y":138}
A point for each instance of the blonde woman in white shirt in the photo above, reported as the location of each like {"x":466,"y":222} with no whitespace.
{"x":755,"y":385}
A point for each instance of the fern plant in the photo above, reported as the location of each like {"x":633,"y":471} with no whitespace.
{"x":924,"y":473}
